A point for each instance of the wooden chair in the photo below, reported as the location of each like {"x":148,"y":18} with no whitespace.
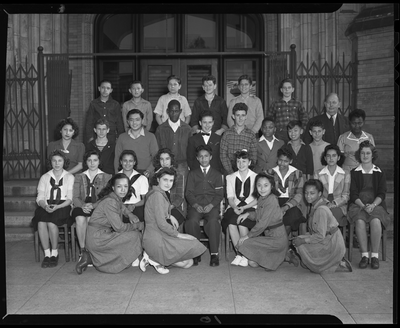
{"x":65,"y":237}
{"x":205,"y":239}
{"x":383,"y":239}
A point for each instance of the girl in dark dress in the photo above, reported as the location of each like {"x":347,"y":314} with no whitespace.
{"x":367,"y":203}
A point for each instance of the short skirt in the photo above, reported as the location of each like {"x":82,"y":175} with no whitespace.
{"x":230,"y":217}
{"x":78,"y":211}
{"x":356,"y":213}
{"x":58,"y":217}
{"x":293,"y":216}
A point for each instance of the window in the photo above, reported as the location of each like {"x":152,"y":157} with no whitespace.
{"x":200,"y":32}
{"x":158,"y":32}
{"x":241,"y":32}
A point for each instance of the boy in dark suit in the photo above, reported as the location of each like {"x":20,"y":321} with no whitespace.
{"x":205,"y":137}
{"x":204,"y":193}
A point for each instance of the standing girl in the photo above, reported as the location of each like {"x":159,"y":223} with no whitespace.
{"x":137,"y":182}
{"x":367,"y":202}
{"x":73,"y":150}
{"x":239,"y":190}
{"x":87,"y":186}
{"x":54,"y":199}
{"x":112,"y":245}
{"x":322,"y":249}
{"x":266,"y":244}
{"x":164,"y":245}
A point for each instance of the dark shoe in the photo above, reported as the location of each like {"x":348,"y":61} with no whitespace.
{"x":374,"y":263}
{"x":83,"y":262}
{"x":196,"y":260}
{"x":303,"y":265}
{"x":46,"y":262}
{"x":363,"y":263}
{"x":292,"y":258}
{"x":53,"y":261}
{"x":214,"y":260}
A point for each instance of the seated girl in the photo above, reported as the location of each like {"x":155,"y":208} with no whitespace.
{"x":138,"y":184}
{"x":54,"y":199}
{"x":336,"y":183}
{"x":367,"y":203}
{"x":87,"y":186}
{"x":289,"y":182}
{"x":166,"y":158}
{"x":239,"y":191}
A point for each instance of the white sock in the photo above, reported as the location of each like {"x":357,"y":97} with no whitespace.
{"x":54,"y":252}
{"x":214,"y":253}
{"x":366,"y":254}
{"x":135,"y":263}
{"x":47,"y":252}
{"x":375,"y":255}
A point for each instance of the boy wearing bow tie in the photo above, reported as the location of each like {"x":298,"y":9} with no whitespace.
{"x":206,"y":136}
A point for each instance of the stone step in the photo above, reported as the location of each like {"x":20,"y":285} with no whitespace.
{"x":18,"y":219}
{"x":19,"y":233}
{"x":24,"y":188}
{"x":20,"y":204}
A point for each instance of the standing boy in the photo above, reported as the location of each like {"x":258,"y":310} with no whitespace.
{"x":105,"y":147}
{"x":301,"y":153}
{"x":107,"y":108}
{"x":286,"y":109}
{"x":210,"y":101}
{"x":255,"y":112}
{"x":205,"y":137}
{"x":174,"y":85}
{"x":136,"y":90}
{"x":317,"y":131}
{"x":236,"y":138}
{"x":174,"y":134}
{"x":138,"y":139}
{"x":204,"y":193}
{"x":267,"y":146}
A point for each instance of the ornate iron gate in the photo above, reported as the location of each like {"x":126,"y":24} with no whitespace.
{"x":27,"y":120}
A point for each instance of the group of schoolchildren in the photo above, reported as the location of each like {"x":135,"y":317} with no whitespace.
{"x":137,"y":198}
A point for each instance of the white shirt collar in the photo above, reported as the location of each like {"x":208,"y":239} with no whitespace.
{"x":87,"y":172}
{"x":290,"y":170}
{"x":141,"y":133}
{"x":207,"y":168}
{"x":374,"y":168}
{"x":351,"y":136}
{"x":263,"y":138}
{"x":329,"y":116}
{"x":175,"y":125}
{"x":325,"y":170}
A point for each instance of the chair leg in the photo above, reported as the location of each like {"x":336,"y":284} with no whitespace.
{"x":37,"y":246}
{"x":73,"y":244}
{"x":227,"y":244}
{"x":344,"y":234}
{"x":384,"y":243}
{"x":351,"y":233}
{"x":66,"y":246}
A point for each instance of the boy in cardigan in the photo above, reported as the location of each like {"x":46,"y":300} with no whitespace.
{"x":204,"y":193}
{"x":174,"y":134}
{"x":138,"y":139}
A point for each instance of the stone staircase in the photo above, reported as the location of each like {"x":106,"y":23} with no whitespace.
{"x":20,"y":205}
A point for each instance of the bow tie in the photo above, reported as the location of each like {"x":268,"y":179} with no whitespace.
{"x":205,"y":134}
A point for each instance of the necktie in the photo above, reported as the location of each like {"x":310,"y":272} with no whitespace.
{"x":91,"y":190}
{"x":205,"y":172}
{"x":333,"y":125}
{"x":55,"y":187}
{"x":246,"y":190}
{"x":205,"y":134}
{"x":131,"y":186}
